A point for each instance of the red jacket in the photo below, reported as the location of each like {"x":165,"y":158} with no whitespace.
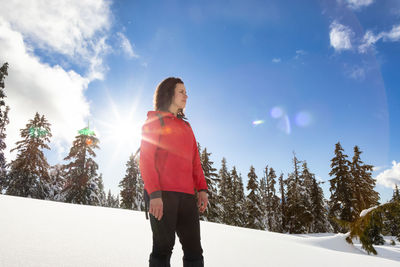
{"x":169,"y":158}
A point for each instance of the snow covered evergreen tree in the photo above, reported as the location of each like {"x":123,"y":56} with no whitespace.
{"x":112,"y":201}
{"x":81,"y":178}
{"x":29,"y":172}
{"x":306,"y":183}
{"x":320,"y":223}
{"x":253,"y":204}
{"x":363,"y":184}
{"x":102,"y":193}
{"x":225,"y":189}
{"x":396,"y":194}
{"x":298,"y":215}
{"x":368,"y":226}
{"x":57,"y":182}
{"x":264,"y":199}
{"x":3,"y":123}
{"x":213,"y":209}
{"x":341,"y":188}
{"x":236,"y":209}
{"x":282,"y":206}
{"x":132,"y":187}
{"x":275,"y":214}
{"x":269,"y":201}
{"x":391,"y":220}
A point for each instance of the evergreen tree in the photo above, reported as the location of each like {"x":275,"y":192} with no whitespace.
{"x":82,"y":180}
{"x":269,"y":201}
{"x":320,"y":219}
{"x":341,"y":188}
{"x":274,"y":207}
{"x":3,"y":123}
{"x":213,"y":210}
{"x":391,"y":219}
{"x":102,"y":193}
{"x":131,"y":188}
{"x":57,"y":182}
{"x":29,"y":172}
{"x":264,"y":199}
{"x":282,"y":208}
{"x":396,"y":194}
{"x":254,"y":214}
{"x":367,"y":227}
{"x":236,"y":207}
{"x":363,"y":184}
{"x":225,"y":189}
{"x":306,"y":183}
{"x":112,"y":201}
{"x":295,"y":208}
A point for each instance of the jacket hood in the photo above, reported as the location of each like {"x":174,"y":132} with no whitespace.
{"x":153,"y":113}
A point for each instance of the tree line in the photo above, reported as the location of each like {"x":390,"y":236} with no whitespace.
{"x":292,"y":203}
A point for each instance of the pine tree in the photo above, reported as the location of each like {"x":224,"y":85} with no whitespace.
{"x":282,"y":208}
{"x":3,"y":123}
{"x":396,"y":194}
{"x":112,"y":201}
{"x":29,"y":172}
{"x":102,"y":194}
{"x":269,"y":201}
{"x":264,"y":200}
{"x":295,"y":208}
{"x":57,"y":182}
{"x":236,"y":207}
{"x":254,"y":214}
{"x":320,"y":219}
{"x":213,"y":210}
{"x":82,"y":180}
{"x":341,"y":188}
{"x":368,"y":226}
{"x":131,"y":188}
{"x":225,"y":189}
{"x":391,"y":220}
{"x":306,"y":184}
{"x":363,"y":184}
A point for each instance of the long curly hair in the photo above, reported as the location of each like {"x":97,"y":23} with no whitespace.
{"x":164,"y":94}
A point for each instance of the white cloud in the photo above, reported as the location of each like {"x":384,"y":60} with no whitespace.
{"x":357,"y":4}
{"x":71,"y":31}
{"x":74,"y":28}
{"x":33,"y":86}
{"x":340,"y":36}
{"x":357,"y":73}
{"x":126,"y":46}
{"x":391,"y":176}
{"x":370,"y":38}
{"x":276,"y":60}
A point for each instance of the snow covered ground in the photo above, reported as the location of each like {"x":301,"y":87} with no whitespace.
{"x":45,"y":233}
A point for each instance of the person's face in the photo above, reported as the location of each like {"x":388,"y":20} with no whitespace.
{"x":180,"y":96}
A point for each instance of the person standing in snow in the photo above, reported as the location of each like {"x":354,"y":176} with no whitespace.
{"x":171,"y":171}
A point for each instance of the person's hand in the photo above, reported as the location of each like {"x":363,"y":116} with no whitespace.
{"x":202,"y":201}
{"x":156,"y":208}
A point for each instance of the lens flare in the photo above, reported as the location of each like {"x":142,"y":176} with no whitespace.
{"x":284,"y":125}
{"x":258,"y":122}
{"x":303,"y":119}
{"x":276,"y":112}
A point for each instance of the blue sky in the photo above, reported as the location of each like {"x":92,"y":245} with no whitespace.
{"x":311,"y":73}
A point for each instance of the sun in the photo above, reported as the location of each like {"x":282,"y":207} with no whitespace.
{"x":119,"y":126}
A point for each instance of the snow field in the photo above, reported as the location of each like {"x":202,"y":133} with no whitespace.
{"x":46,"y":233}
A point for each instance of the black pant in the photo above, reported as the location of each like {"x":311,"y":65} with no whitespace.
{"x":180,"y":215}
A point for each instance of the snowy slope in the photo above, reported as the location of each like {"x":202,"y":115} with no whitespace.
{"x":45,"y":233}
